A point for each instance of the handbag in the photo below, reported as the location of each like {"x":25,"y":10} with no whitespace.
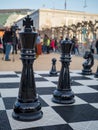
{"x":1,"y":46}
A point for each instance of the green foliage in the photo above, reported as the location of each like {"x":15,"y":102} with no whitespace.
{"x":3,"y":18}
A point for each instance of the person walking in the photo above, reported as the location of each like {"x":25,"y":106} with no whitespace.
{"x":7,"y":39}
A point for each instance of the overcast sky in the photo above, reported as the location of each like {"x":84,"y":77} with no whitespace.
{"x":75,"y":5}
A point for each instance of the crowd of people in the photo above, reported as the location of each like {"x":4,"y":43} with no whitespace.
{"x":44,"y":44}
{"x":49,"y":45}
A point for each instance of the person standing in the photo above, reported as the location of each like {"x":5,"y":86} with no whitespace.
{"x":38,"y":45}
{"x":76,"y":47}
{"x":7,"y":39}
{"x":44,"y":47}
{"x":92,"y":46}
{"x":1,"y":45}
{"x":52,"y":45}
{"x":48,"y":45}
{"x":96,"y":45}
{"x":74,"y":42}
{"x":14,"y":44}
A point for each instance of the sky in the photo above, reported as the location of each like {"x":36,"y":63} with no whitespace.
{"x":74,"y":5}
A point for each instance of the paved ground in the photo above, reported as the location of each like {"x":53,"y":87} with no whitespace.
{"x":83,"y":114}
{"x":43,"y":62}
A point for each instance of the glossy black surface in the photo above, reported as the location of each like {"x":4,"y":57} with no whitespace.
{"x":53,"y":70}
{"x":63,"y":94}
{"x":88,"y":63}
{"x":27,"y":106}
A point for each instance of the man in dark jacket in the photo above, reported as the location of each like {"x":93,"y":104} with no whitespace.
{"x":7,"y":40}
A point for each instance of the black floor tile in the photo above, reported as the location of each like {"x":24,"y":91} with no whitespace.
{"x":4,"y":122}
{"x":77,"y":113}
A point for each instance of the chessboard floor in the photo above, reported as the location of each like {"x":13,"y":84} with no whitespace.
{"x":82,"y":115}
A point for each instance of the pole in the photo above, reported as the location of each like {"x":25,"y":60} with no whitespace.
{"x":65,"y":5}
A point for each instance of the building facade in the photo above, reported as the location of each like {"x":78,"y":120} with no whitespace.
{"x":47,"y":18}
{"x":51,"y":18}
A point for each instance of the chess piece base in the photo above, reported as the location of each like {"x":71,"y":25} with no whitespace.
{"x":27,"y":111}
{"x":63,"y":97}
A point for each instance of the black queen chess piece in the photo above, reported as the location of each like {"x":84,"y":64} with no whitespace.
{"x":63,"y":94}
{"x":27,"y":106}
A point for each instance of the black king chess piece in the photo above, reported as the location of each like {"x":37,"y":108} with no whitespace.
{"x":88,"y":63}
{"x":27,"y":106}
{"x":53,"y":71}
{"x":63,"y":94}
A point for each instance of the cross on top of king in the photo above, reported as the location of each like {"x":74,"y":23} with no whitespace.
{"x":28,"y":23}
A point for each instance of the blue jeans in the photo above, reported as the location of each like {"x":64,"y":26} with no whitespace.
{"x":44,"y":48}
{"x":7,"y":52}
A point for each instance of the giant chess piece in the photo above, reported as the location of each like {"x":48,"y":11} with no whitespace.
{"x":53,"y":71}
{"x":63,"y":94}
{"x":88,"y":63}
{"x":96,"y":74}
{"x":27,"y":106}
